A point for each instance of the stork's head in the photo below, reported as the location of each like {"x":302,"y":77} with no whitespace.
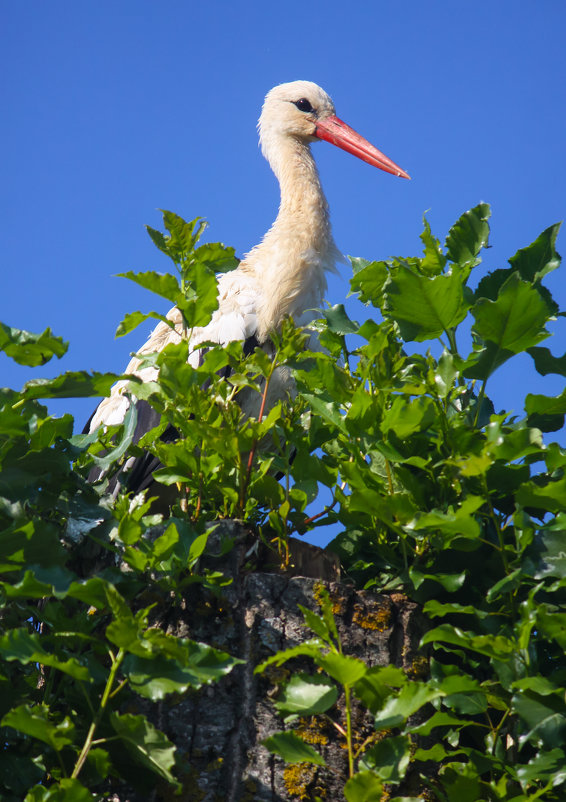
{"x":302,"y":110}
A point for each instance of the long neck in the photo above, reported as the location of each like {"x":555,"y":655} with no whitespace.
{"x":291,"y":261}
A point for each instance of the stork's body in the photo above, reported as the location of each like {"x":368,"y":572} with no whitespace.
{"x":286,"y":273}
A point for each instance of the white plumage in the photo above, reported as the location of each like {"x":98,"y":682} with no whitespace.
{"x":285,"y":274}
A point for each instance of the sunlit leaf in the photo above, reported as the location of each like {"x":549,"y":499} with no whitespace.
{"x":66,"y":790}
{"x":468,"y":236}
{"x":163,"y":284}
{"x":539,"y":258}
{"x":307,"y":695}
{"x":73,"y":384}
{"x":364,"y":786}
{"x":133,"y":319}
{"x":497,"y":646}
{"x":434,"y":258}
{"x":398,"y":708}
{"x":30,"y":349}
{"x":293,"y":749}
{"x":516,"y":320}
{"x":425,"y":307}
{"x":369,"y":280}
{"x":37,"y":722}
{"x":346,"y":670}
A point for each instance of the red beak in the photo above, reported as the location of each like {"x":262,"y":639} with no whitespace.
{"x":335,"y":131}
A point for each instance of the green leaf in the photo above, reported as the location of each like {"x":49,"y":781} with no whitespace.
{"x":66,"y":790}
{"x":216,"y":257}
{"x":306,"y":695}
{"x":539,"y":258}
{"x":485,"y":360}
{"x":98,"y":761}
{"x":405,"y":417}
{"x":515,"y":321}
{"x":345,"y":670}
{"x":549,"y":554}
{"x":19,"y":772}
{"x":364,"y":786}
{"x":146,"y":744}
{"x":468,"y":235}
{"x":460,"y":522}
{"x":369,"y":282}
{"x":316,"y":623}
{"x":435,"y":609}
{"x":30,"y":349}
{"x":338,"y":321}
{"x":446,"y":375}
{"x":461,"y":783}
{"x":327,"y":409}
{"x":194,"y":664}
{"x":397,"y":709}
{"x":546,"y":363}
{"x":73,"y":384}
{"x":389,"y":758}
{"x":424,"y":307}
{"x":450,"y":582}
{"x":183,"y":235}
{"x":549,"y":496}
{"x":546,"y":412}
{"x":133,"y":319}
{"x":36,"y":721}
{"x":496,"y":646}
{"x":163,"y":284}
{"x":552,"y":624}
{"x":441,"y":719}
{"x":540,"y":685}
{"x":127,"y":431}
{"x":544,"y":717}
{"x":292,"y":749}
{"x":377,"y":685}
{"x":18,"y":644}
{"x":544,"y":767}
{"x":434,"y":258}
{"x":310,"y":648}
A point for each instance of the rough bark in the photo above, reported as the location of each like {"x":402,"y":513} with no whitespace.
{"x":219,"y":730}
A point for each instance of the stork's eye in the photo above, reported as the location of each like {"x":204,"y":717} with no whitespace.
{"x":303,"y":104}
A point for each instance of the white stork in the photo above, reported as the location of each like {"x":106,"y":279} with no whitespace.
{"x":286,"y":273}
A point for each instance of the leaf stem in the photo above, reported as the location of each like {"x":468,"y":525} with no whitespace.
{"x":244,"y":488}
{"x":452,"y":341}
{"x":479,"y":402}
{"x":116,"y":662}
{"x":348,"y":701}
{"x":326,"y":510}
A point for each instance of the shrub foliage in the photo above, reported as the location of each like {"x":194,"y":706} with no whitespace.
{"x":434,"y":491}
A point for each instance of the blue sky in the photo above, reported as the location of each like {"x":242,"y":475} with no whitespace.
{"x":112,"y":111}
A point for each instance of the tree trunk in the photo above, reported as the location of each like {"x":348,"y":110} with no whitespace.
{"x":219,"y":730}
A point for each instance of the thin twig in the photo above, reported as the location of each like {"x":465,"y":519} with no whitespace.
{"x":326,"y":510}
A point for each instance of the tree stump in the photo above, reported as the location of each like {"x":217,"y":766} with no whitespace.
{"x":219,"y":729}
